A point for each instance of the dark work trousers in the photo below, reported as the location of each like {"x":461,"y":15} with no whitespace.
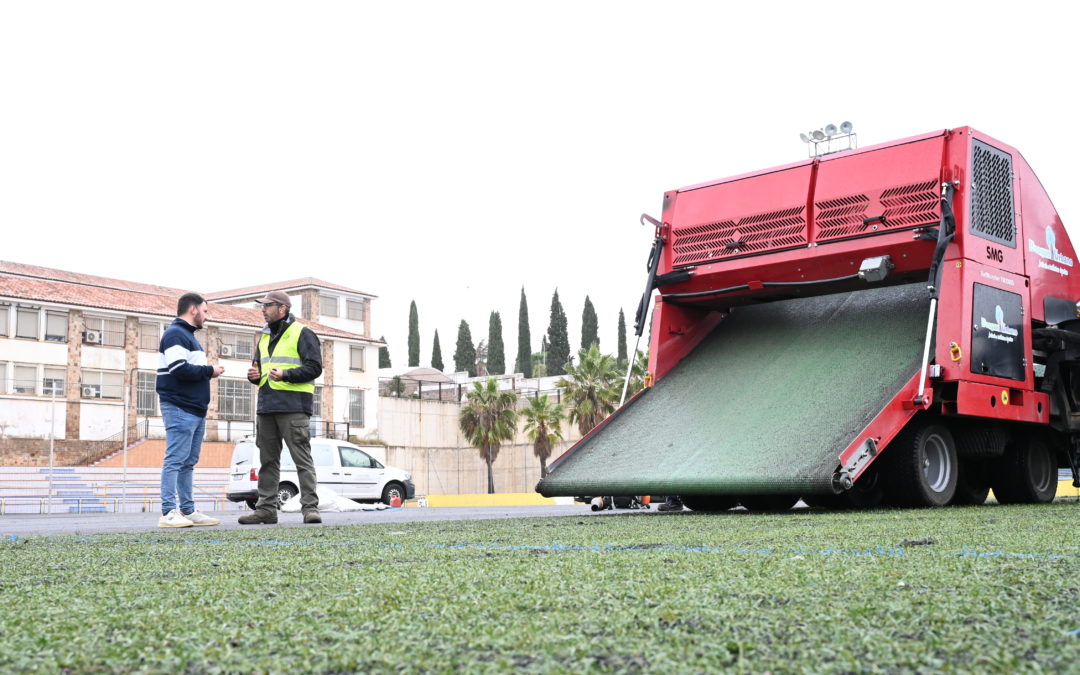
{"x":295,"y":430}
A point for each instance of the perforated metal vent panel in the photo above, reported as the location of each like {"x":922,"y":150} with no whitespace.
{"x":902,"y":207}
{"x":992,"y":213}
{"x":758,"y":233}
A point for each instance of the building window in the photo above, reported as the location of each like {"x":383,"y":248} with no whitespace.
{"x":316,"y":408}
{"x":328,"y":305}
{"x":356,"y":407}
{"x":4,"y":320}
{"x":234,"y":399}
{"x":354,"y":309}
{"x":3,"y":377}
{"x":108,"y":332}
{"x":56,"y":326}
{"x":26,"y":323}
{"x":356,"y":358}
{"x":149,"y":336}
{"x":52,"y":383}
{"x":25,"y":379}
{"x":102,"y":384}
{"x":237,"y":346}
{"x":146,"y":394}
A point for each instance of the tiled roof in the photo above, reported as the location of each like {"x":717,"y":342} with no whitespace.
{"x":42,"y":284}
{"x":295,"y":284}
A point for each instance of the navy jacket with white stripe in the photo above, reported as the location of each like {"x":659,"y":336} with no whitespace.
{"x":183,"y":377}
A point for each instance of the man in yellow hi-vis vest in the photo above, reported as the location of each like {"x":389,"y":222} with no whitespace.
{"x":289,"y":359}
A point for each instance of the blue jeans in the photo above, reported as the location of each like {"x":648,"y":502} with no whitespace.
{"x":183,"y":442}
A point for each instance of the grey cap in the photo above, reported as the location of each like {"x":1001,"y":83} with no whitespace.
{"x":276,"y":296}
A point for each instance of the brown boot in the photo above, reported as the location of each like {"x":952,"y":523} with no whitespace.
{"x":256,"y":517}
{"x":312,"y":517}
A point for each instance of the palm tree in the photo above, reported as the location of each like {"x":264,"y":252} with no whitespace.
{"x":592,"y":388}
{"x":489,"y":418}
{"x":543,"y":426}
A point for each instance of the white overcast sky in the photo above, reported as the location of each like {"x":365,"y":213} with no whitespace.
{"x":452,"y":152}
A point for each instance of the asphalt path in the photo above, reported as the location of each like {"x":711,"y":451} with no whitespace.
{"x":50,"y":525}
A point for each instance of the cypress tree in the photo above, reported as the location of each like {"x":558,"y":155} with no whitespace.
{"x":414,"y":336}
{"x":524,"y":354}
{"x":622,"y":339}
{"x":496,"y":357}
{"x":558,"y":341}
{"x":589,"y":328}
{"x":436,"y":353}
{"x":384,"y":355}
{"x":465,"y":353}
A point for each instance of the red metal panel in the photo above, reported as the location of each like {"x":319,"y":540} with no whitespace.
{"x":985,"y":400}
{"x":898,"y":186}
{"x":1050,"y":258}
{"x":960,"y":165}
{"x":741,"y":217}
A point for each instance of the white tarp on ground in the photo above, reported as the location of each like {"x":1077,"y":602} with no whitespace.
{"x":330,"y":501}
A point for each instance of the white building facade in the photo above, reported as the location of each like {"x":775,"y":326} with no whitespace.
{"x":78,"y":355}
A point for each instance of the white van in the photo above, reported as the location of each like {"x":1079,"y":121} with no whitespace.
{"x":348,"y":469}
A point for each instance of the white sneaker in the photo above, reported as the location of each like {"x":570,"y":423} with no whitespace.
{"x":199,"y":518}
{"x":174,"y":519}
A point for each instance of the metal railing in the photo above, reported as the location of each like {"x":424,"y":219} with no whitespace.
{"x":427,"y":390}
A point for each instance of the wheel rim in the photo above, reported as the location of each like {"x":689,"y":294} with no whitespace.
{"x":937,"y":464}
{"x":394,"y":492}
{"x":284,"y":495}
{"x":1040,"y":467}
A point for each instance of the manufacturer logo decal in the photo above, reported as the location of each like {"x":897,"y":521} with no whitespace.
{"x":1051,"y":254}
{"x":999,"y":330}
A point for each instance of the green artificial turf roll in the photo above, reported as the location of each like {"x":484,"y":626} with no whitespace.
{"x":764,"y":405}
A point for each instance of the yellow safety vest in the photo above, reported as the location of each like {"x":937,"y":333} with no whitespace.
{"x":286,"y":356}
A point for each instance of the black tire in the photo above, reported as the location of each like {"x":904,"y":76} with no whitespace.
{"x":921,"y":466}
{"x":285,"y":492}
{"x":391,"y":489}
{"x":867,"y":493}
{"x":1027,"y":474}
{"x":251,"y":502}
{"x":972,"y":482}
{"x":709,"y":503}
{"x":768,"y":503}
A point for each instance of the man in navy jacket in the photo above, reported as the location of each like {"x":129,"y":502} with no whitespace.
{"x":183,"y":387}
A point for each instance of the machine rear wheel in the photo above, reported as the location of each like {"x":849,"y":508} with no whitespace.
{"x":922,"y":466}
{"x":760,"y":503}
{"x":708,"y":503}
{"x":1027,"y":474}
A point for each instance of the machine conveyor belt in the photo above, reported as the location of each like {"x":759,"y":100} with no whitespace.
{"x":764,"y":405}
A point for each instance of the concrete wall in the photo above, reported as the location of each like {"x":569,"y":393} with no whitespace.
{"x":462,"y":471}
{"x":423,"y":438}
{"x":35,"y":452}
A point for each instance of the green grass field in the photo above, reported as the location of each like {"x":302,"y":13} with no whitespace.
{"x":987,"y":589}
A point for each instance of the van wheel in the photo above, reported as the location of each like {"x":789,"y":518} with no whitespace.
{"x":391,"y":490}
{"x":285,"y":492}
{"x":922,"y":466}
{"x":251,"y":502}
{"x":1027,"y":474}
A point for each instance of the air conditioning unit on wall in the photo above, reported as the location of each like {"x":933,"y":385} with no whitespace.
{"x":227,"y":350}
{"x":91,"y":392}
{"x":93,"y":337}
